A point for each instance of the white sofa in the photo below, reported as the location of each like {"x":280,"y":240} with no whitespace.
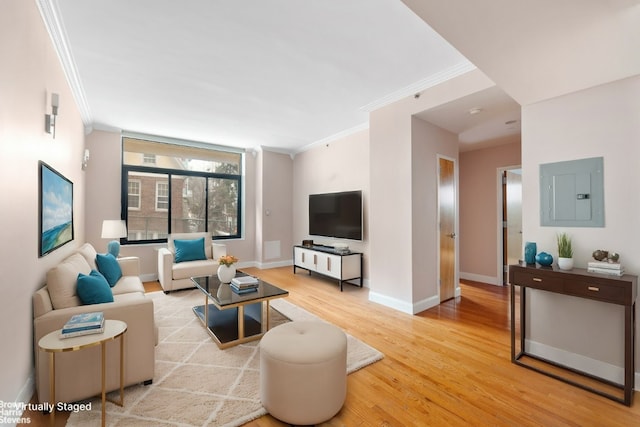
{"x":78,"y":372}
{"x":173,"y":276}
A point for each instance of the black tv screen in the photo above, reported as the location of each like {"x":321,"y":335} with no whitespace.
{"x":336,"y":215}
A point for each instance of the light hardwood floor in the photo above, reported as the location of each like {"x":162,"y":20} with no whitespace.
{"x":448,"y":366}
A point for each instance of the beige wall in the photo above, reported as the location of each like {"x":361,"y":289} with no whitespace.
{"x":104,"y":202}
{"x":479,"y":209}
{"x":274,"y":209}
{"x":340,"y":165}
{"x":29,"y":73}
{"x":395,"y":178}
{"x":601,"y":121}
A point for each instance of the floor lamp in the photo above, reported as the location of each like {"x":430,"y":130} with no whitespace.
{"x":114,"y":229}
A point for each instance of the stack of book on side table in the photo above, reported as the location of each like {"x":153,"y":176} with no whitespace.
{"x":244,"y":284}
{"x":83,"y":324}
{"x":604,"y":267}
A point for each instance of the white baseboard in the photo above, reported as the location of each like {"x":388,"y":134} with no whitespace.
{"x":24,"y":397}
{"x":394,"y":303}
{"x":149,"y":277}
{"x":482,"y":279}
{"x":586,"y":364}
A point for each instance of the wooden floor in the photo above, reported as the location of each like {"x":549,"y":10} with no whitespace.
{"x":447,"y":366}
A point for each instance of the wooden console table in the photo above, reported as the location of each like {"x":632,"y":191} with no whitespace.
{"x":582,"y":284}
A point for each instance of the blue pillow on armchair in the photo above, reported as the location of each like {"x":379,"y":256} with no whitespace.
{"x":189,"y":250}
{"x":93,"y":288}
{"x":109,"y":267}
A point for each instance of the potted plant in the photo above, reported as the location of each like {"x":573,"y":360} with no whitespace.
{"x":565,"y":251}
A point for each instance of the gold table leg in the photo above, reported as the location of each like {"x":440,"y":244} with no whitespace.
{"x":52,"y":387}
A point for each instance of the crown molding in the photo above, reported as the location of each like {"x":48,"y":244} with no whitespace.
{"x":334,"y":137}
{"x":50,"y":15}
{"x":426,"y":83}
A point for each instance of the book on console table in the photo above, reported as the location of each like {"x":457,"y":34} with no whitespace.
{"x":606,"y":271}
{"x":244,"y":282}
{"x":604,"y":267}
{"x":83,"y":324}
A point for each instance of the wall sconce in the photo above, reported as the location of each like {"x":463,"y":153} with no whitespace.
{"x":50,"y":119}
{"x":85,"y":159}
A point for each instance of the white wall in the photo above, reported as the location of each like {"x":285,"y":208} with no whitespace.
{"x":29,"y":73}
{"x":340,"y":165}
{"x":603,"y":121}
{"x":395,"y":178}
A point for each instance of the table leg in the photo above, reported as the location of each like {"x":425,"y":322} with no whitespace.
{"x":268,"y":316}
{"x":122,"y":370}
{"x":240,"y":322}
{"x":52,"y":387}
{"x":104,"y":394}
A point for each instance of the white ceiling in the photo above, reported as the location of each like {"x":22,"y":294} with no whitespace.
{"x":540,"y":49}
{"x":286,"y":74}
{"x":282,"y":74}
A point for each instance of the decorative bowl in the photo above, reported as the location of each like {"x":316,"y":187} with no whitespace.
{"x":544,"y":258}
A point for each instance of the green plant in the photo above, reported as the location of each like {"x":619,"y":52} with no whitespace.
{"x":565,"y":250}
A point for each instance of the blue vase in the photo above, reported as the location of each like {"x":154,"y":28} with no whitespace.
{"x":544,"y":258}
{"x":530,"y":250}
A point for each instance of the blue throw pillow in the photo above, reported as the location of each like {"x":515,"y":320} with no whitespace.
{"x":189,"y":250}
{"x":93,"y":289}
{"x":109,"y":267}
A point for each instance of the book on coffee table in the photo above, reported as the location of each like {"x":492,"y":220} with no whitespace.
{"x":244,"y":282}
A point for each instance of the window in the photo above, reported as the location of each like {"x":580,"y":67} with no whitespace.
{"x":189,"y":187}
{"x":162,"y":196}
{"x":149,"y":159}
{"x":133,"y":194}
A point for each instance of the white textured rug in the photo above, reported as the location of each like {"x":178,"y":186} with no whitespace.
{"x":197,"y":384}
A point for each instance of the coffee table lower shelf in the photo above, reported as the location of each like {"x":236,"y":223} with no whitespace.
{"x":234,"y":325}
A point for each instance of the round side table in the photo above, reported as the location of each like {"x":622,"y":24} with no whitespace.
{"x":52,"y":344}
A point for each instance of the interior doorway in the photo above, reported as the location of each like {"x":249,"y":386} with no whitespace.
{"x":511,"y":227}
{"x":447,"y":232}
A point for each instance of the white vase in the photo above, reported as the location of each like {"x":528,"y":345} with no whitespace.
{"x":565,"y":263}
{"x":226,"y":273}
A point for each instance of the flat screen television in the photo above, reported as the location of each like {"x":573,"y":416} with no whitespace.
{"x":336,"y":215}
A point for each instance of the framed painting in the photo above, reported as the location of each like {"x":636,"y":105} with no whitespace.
{"x":56,"y":209}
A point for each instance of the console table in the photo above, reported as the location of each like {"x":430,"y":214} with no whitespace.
{"x":329,"y":262}
{"x":582,"y":284}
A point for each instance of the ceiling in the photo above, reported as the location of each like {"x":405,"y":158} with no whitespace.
{"x":277,"y":74}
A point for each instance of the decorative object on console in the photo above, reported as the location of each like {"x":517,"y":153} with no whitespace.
{"x":307,"y":243}
{"x":565,"y":251}
{"x":530,"y":250}
{"x":114,"y":229}
{"x":544,"y":258}
{"x":226,"y":270}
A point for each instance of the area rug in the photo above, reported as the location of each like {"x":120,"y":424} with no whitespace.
{"x":196,"y":383}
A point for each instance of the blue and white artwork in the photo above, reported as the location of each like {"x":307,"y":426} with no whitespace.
{"x":56,"y":209}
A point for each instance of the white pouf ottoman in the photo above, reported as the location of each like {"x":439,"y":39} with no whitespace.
{"x":303,"y":372}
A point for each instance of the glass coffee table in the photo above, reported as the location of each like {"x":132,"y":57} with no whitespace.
{"x":232,"y":318}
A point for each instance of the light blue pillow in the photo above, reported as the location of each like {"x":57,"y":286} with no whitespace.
{"x":189,"y":250}
{"x":93,"y":289}
{"x":109,"y":267}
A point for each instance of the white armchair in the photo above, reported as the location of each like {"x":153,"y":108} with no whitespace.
{"x":177,"y":275}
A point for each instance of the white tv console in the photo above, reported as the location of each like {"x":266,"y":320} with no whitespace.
{"x":325,"y":260}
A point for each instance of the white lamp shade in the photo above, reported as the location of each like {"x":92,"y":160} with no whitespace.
{"x":113,"y":229}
